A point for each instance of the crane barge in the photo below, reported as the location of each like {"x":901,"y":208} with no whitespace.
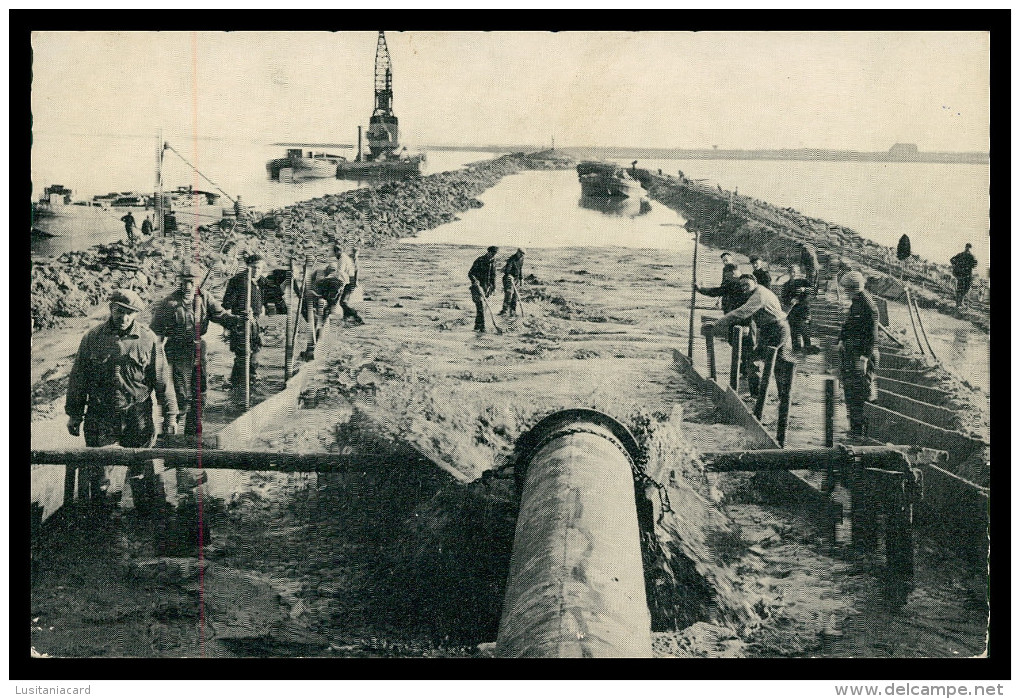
{"x":385,"y":156}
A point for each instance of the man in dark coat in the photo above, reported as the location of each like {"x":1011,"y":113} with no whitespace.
{"x":483,"y":281}
{"x":733,"y":296}
{"x":809,"y":263}
{"x":796,"y":299}
{"x":773,"y":331}
{"x":181,"y":319}
{"x":761,"y":273}
{"x":234,"y":301}
{"x":963,"y":269}
{"x":513,"y":274}
{"x":858,"y":345}
{"x":129,"y":227}
{"x":118,"y":366}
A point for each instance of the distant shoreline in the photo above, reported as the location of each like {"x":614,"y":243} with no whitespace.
{"x":819,"y":154}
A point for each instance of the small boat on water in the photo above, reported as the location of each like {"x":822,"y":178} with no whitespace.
{"x":56,"y":214}
{"x":607,"y":180}
{"x":304,"y":164}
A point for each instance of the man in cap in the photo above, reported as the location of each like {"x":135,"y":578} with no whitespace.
{"x":238,"y":291}
{"x":733,"y":296}
{"x":796,"y":299}
{"x":336,"y":282}
{"x":483,"y":281}
{"x":129,"y":227}
{"x":858,"y":346}
{"x":118,"y":366}
{"x":761,"y":272}
{"x":730,"y":289}
{"x":809,"y":262}
{"x":513,"y":274}
{"x":963,"y":269}
{"x":764,"y":309}
{"x":181,"y":319}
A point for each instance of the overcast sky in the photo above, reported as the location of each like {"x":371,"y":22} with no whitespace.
{"x":853,"y":90}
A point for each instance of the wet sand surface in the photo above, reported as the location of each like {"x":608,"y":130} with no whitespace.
{"x":401,"y":561}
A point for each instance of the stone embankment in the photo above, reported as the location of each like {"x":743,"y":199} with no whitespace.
{"x":753,"y":227}
{"x":72,"y":284}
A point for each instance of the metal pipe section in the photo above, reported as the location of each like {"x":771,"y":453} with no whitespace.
{"x":576,"y":586}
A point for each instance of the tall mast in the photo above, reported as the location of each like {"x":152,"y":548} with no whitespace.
{"x":160,"y":148}
{"x":383,"y":78}
{"x":383,"y":132}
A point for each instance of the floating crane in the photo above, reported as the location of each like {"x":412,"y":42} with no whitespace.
{"x":384,"y":156}
{"x":383,"y":132}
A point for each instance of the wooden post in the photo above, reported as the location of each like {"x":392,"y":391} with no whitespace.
{"x":766,"y":379}
{"x":736,"y":345}
{"x":694,"y":294}
{"x":310,"y":317}
{"x":899,"y":543}
{"x":710,"y":350}
{"x":288,"y":335}
{"x":863,"y":533}
{"x":830,"y":410}
{"x":247,"y":340}
{"x":784,"y":411}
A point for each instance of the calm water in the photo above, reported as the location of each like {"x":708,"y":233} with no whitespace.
{"x":129,"y":164}
{"x":940,"y":206}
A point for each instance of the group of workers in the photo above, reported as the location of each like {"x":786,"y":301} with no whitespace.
{"x":770,"y":324}
{"x":483,"y":282}
{"x":121,"y":362}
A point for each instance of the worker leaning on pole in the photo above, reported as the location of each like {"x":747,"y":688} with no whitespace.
{"x":244,"y":301}
{"x":858,"y":350}
{"x":118,"y":366}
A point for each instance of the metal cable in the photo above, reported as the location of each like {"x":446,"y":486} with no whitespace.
{"x":167,"y":145}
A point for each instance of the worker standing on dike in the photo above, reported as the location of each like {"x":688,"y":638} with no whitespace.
{"x":809,"y":262}
{"x":760,"y":272}
{"x":858,"y":347}
{"x":764,"y":309}
{"x":796,"y":299}
{"x":513,"y":273}
{"x":483,"y":281}
{"x":129,"y":227}
{"x":963,"y":268}
{"x":733,"y":296}
{"x":118,"y":366}
{"x":181,"y":319}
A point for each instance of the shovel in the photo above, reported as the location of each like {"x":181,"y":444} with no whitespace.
{"x":520,"y":301}
{"x":485,"y":302}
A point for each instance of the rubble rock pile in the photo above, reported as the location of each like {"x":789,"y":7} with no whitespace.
{"x":72,"y":284}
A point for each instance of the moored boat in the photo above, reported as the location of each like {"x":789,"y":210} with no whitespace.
{"x":56,"y":214}
{"x":607,"y":180}
{"x":305,"y":164}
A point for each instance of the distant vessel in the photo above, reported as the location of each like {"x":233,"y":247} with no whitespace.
{"x":304,"y":164}
{"x":385,"y":156}
{"x":607,"y":180}
{"x":57,"y":215}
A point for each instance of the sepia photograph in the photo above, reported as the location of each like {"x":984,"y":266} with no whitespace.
{"x":510,"y":344}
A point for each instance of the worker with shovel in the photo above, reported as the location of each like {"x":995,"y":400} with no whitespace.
{"x":483,"y":282}
{"x":513,"y":276}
